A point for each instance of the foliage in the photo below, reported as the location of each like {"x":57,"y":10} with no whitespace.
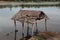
{"x":40,"y":37}
{"x":32,"y":0}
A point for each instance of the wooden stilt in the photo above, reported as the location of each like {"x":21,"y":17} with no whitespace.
{"x":22,"y":30}
{"x":32,"y":29}
{"x":46,"y":25}
{"x":15,"y":29}
{"x":36,"y":28}
{"x":27,"y":29}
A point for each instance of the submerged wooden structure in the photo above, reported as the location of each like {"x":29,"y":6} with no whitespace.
{"x":29,"y":17}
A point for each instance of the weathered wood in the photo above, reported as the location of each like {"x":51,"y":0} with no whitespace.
{"x":45,"y":24}
{"x":32,"y":29}
{"x":27,"y":29}
{"x":26,"y":16}
{"x":36,"y":27}
{"x":15,"y":29}
{"x":22,"y":30}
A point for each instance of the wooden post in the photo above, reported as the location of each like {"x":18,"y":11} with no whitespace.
{"x":27,"y":26}
{"x":32,"y":29}
{"x":27,"y":29}
{"x":15,"y":0}
{"x":45,"y":24}
{"x":15,"y":29}
{"x":22,"y":30}
{"x":36,"y":27}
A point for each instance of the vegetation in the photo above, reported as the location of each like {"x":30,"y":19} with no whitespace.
{"x":31,"y":0}
{"x":40,"y":37}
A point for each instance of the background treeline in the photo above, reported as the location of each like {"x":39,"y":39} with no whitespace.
{"x":31,"y":0}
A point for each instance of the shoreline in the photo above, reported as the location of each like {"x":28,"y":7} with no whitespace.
{"x":28,"y":3}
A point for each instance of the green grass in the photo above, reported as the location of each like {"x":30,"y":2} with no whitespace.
{"x":40,"y":37}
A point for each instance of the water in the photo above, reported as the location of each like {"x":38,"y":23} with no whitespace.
{"x":7,"y":25}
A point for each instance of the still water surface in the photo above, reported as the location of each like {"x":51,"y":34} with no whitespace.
{"x":7,"y":25}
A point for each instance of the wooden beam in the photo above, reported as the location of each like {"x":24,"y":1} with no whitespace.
{"x":27,"y":29}
{"x":22,"y":30}
{"x":45,"y":24}
{"x":36,"y":27}
{"x":15,"y":29}
{"x":32,"y":29}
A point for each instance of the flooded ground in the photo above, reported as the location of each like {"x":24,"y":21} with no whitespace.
{"x":7,"y":25}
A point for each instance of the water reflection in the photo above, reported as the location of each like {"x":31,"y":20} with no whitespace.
{"x":7,"y":26}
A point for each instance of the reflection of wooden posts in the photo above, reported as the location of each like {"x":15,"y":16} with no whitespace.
{"x":36,"y":27}
{"x":45,"y":24}
{"x":27,"y":26}
{"x":32,"y":29}
{"x":22,"y":30}
{"x":15,"y":29}
{"x":27,"y":29}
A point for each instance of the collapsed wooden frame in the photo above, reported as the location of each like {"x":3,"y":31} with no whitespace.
{"x":29,"y":17}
